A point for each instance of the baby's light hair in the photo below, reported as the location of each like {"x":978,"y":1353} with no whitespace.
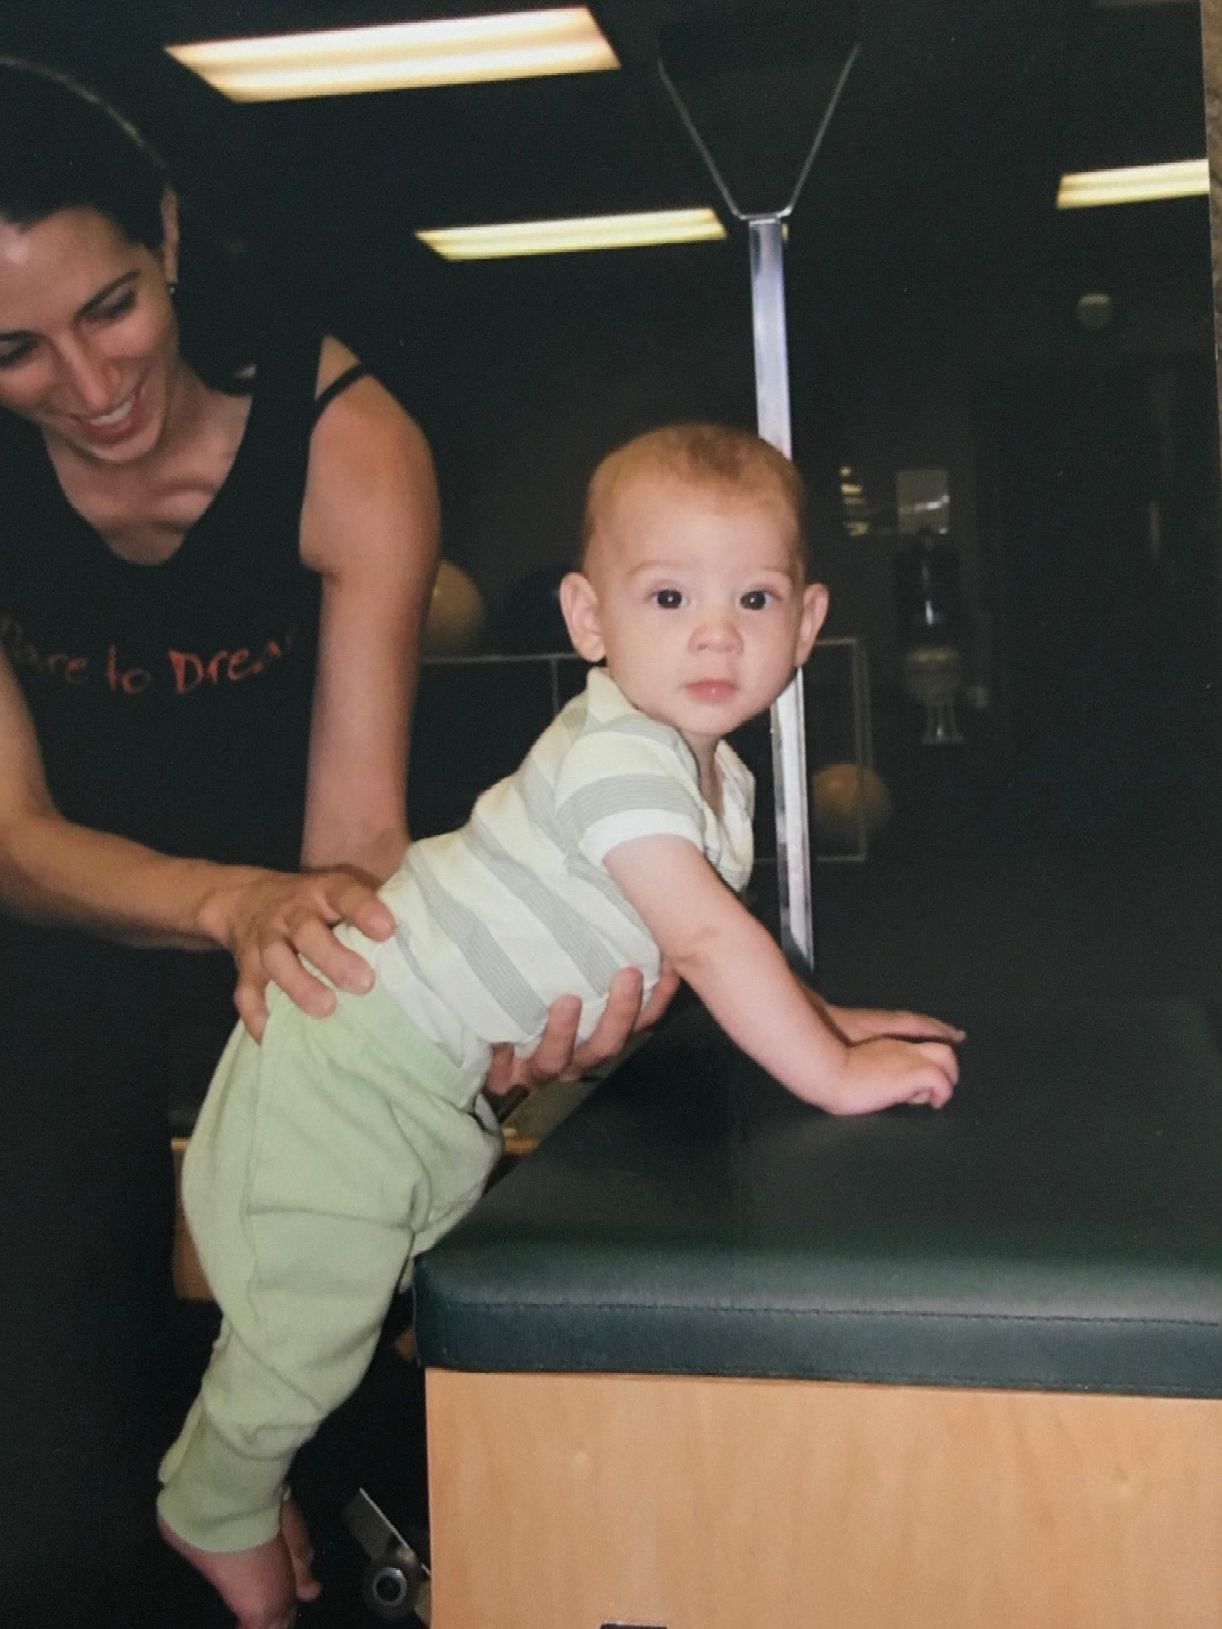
{"x":702,"y":455}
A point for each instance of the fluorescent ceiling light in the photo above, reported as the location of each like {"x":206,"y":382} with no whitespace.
{"x":396,"y":56}
{"x":1140,"y":183}
{"x":568,"y":236}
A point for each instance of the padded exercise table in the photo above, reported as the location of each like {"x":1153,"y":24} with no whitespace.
{"x":710,"y":1359}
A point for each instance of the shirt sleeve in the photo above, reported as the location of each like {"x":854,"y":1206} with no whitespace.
{"x":615,"y":786}
{"x":736,"y":858}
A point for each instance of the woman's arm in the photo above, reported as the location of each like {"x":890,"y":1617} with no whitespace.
{"x":52,"y":870}
{"x":370,"y":528}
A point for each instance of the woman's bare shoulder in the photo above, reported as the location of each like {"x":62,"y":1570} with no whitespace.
{"x":371,"y":479}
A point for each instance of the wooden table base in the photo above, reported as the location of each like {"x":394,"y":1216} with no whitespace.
{"x":578,"y":1501}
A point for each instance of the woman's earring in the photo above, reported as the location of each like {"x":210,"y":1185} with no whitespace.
{"x":171,"y":286}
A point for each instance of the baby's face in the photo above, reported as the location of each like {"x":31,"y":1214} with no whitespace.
{"x":702,"y":611}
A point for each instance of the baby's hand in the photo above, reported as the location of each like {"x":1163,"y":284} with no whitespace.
{"x":878,"y":1074}
{"x":866,"y":1023}
{"x":263,"y":1585}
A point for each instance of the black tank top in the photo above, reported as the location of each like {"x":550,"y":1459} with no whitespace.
{"x":171,"y":701}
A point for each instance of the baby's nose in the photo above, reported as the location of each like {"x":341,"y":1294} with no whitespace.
{"x":717,"y":631}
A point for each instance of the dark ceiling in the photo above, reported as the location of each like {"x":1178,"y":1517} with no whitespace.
{"x":950,"y":97}
{"x":941,"y":162}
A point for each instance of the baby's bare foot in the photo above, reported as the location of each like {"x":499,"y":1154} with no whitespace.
{"x":257,"y":1585}
{"x":296,"y":1537}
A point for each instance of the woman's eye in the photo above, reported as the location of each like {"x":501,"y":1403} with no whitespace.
{"x":18,"y":353}
{"x":118,"y":307}
{"x":669,"y":599}
{"x":756,"y":599}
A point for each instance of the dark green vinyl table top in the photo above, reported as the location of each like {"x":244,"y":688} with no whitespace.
{"x":1058,"y":1225}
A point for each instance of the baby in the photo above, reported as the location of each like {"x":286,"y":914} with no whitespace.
{"x":330,"y":1156}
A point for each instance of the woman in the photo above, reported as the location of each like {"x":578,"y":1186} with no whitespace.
{"x":217,"y":540}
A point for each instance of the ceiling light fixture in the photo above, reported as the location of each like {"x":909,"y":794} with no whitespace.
{"x":1139,"y":183}
{"x":398,"y":56}
{"x":568,"y":236}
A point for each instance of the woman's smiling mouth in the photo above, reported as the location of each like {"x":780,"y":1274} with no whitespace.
{"x":116,"y":424}
{"x":104,"y":420}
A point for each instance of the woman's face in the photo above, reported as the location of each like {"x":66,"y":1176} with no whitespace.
{"x":88,"y":337}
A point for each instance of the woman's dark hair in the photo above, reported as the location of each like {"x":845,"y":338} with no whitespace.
{"x":63,"y":147}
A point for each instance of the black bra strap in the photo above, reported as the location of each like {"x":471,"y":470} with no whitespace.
{"x":338,"y":385}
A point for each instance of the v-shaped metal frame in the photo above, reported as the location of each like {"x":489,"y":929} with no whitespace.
{"x":767,"y":251}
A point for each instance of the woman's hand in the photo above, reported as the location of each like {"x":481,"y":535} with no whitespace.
{"x":272,"y":919}
{"x":558,"y":1057}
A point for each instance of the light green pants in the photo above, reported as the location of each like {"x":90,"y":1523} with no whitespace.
{"x":323,"y":1161}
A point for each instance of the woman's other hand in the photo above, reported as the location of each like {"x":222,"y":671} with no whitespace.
{"x":559,"y":1057}
{"x":272,"y":920}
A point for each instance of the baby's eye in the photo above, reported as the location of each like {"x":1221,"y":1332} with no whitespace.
{"x":668,"y":599}
{"x":756,"y":599}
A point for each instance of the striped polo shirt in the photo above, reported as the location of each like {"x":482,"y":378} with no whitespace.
{"x":499,"y":918}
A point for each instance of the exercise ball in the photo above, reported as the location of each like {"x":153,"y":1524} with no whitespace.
{"x":850,"y":801}
{"x":456,"y":613}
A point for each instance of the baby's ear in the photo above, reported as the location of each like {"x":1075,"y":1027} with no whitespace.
{"x":579,"y":603}
{"x":814,"y":610}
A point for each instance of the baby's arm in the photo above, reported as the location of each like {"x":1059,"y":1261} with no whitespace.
{"x":738,"y":971}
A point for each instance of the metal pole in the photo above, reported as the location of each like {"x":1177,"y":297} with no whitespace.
{"x":767,"y":244}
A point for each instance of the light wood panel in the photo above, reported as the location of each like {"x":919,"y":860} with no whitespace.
{"x":571,"y":1501}
{"x":189,"y":1281}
